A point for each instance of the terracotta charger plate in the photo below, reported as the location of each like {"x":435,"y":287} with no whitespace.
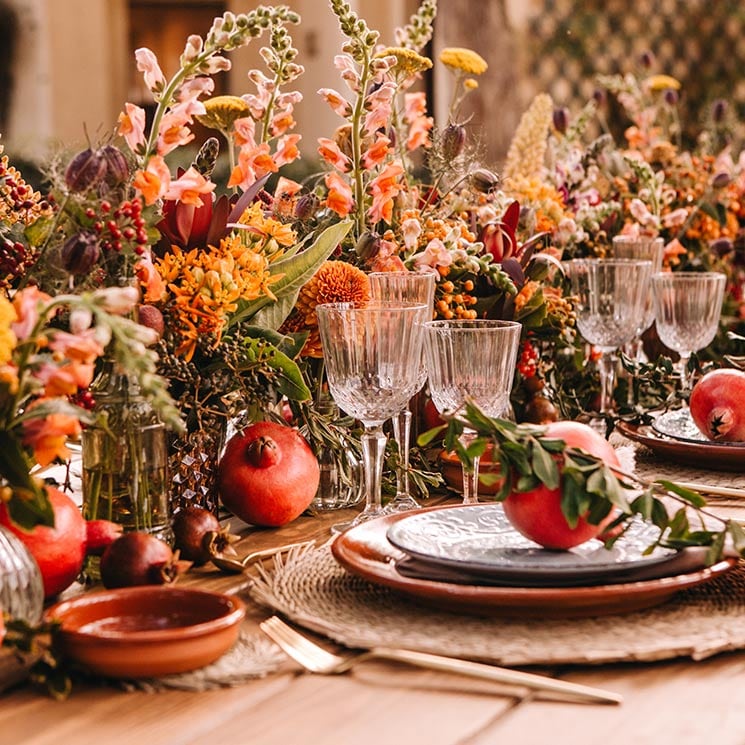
{"x":715,"y":455}
{"x":366,"y":552}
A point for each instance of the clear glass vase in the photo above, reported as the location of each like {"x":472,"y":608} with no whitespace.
{"x":125,"y":463}
{"x":21,"y":589}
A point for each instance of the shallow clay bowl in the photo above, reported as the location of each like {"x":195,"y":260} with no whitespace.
{"x":452,"y":472}
{"x":147,"y":631}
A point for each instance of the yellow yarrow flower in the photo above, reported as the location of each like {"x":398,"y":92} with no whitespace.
{"x":470,"y":84}
{"x":221,"y":112}
{"x":465,"y":60}
{"x":662,"y":83}
{"x":408,"y":62}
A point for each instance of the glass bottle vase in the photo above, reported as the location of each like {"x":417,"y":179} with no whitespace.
{"x":21,"y":589}
{"x":125,"y":464}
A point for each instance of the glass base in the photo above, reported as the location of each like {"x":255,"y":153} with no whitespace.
{"x":401,"y":503}
{"x":366,"y":514}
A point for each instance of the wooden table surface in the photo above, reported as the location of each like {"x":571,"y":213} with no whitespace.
{"x":681,"y":701}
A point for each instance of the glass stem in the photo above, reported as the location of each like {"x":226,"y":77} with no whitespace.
{"x":470,"y":476}
{"x":402,"y":433}
{"x":686,"y":378}
{"x":607,"y":367}
{"x":373,"y":450}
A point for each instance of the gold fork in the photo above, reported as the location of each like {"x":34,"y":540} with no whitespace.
{"x":318,"y":660}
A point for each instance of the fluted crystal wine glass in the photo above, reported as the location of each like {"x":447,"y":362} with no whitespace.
{"x":687,"y":308}
{"x":646,"y":248}
{"x":610,"y":297}
{"x":372,"y":354}
{"x":416,"y":287}
{"x":471,"y":361}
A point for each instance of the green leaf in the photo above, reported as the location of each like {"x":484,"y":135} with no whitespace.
{"x":527,"y":482}
{"x":690,"y":496}
{"x":295,"y":271}
{"x":679,"y":525}
{"x":714,"y":554}
{"x":273,"y":316}
{"x":289,"y":381}
{"x":738,"y":536}
{"x":545,"y":467}
{"x":426,"y":438}
{"x":290,"y":344}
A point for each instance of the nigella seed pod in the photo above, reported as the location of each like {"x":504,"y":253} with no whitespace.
{"x":671,"y":97}
{"x":721,"y":180}
{"x":721,"y":247}
{"x":307,"y":206}
{"x":367,"y":246}
{"x":86,"y":169}
{"x":484,"y":180}
{"x":117,"y":168}
{"x":560,"y":118}
{"x":599,"y":96}
{"x":453,"y":141}
{"x":647,"y":60}
{"x":80,"y":253}
{"x":718,"y":110}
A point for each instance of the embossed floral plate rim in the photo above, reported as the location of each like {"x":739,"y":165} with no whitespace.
{"x":705,"y":454}
{"x":479,"y":539}
{"x":365,"y":552}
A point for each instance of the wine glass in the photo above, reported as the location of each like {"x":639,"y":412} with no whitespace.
{"x":471,"y":361}
{"x":372,"y":354}
{"x":417,"y":287}
{"x":687,"y":307}
{"x":642,"y":247}
{"x":610,"y":296}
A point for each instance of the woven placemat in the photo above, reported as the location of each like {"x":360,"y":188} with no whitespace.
{"x":252,"y":656}
{"x":311,"y":589}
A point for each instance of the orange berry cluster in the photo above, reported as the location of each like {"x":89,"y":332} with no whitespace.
{"x":452,"y":300}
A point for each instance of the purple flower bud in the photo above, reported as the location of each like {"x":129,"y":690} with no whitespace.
{"x":721,"y":180}
{"x":80,"y":252}
{"x":560,"y":119}
{"x":368,"y":246}
{"x":86,"y":169}
{"x":453,"y":141}
{"x":718,"y":110}
{"x":671,"y":96}
{"x":721,"y":246}
{"x":117,"y":168}
{"x":600,"y":96}
{"x":307,"y":206}
{"x":484,"y":180}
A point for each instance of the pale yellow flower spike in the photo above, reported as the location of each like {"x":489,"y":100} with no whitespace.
{"x":527,"y":152}
{"x":662,"y":83}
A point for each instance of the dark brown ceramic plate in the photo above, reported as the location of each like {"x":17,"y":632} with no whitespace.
{"x":366,"y":552}
{"x":147,"y":631}
{"x":719,"y":456}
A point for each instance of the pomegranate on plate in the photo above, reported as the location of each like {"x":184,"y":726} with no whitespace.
{"x":717,"y":405}
{"x":537,"y":513}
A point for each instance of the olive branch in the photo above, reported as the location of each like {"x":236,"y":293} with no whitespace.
{"x":590,"y":488}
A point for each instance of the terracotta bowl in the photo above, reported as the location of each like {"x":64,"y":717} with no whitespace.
{"x":147,"y":631}
{"x":453,"y":474}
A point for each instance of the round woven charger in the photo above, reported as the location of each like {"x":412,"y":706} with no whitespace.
{"x":311,"y":589}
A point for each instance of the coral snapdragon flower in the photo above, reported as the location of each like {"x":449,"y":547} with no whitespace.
{"x":339,"y":197}
{"x":384,"y":188}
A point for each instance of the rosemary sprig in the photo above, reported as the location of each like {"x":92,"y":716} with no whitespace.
{"x":528,"y":457}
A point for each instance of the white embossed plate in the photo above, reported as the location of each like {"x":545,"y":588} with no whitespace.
{"x":480,"y":540}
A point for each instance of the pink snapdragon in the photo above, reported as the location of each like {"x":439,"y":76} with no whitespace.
{"x":190,"y":187}
{"x":331,"y":153}
{"x":377,"y":152}
{"x":435,"y":254}
{"x":420,"y":125}
{"x":384,"y":187}
{"x":153,"y":182}
{"x":339,"y":198}
{"x":26,"y":304}
{"x":287,"y":150}
{"x":379,"y":104}
{"x":132,"y":126}
{"x":336,"y":101}
{"x":147,"y":63}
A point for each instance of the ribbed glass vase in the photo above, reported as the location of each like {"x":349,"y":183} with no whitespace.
{"x":21,"y":589}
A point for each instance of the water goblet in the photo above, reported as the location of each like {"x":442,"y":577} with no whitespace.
{"x":471,"y":361}
{"x":610,"y":295}
{"x":372,"y":354}
{"x":687,"y":307}
{"x":642,"y":247}
{"x":416,"y":287}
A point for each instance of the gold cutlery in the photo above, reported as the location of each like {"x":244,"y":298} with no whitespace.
{"x":236,"y":566}
{"x":318,"y":660}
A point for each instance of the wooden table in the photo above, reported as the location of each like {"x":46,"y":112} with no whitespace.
{"x":679,"y":702}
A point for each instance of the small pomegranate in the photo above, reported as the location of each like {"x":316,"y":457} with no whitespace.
{"x":150,"y":316}
{"x":268,"y":474}
{"x":718,"y":405}
{"x":100,"y":534}
{"x":139,"y":558}
{"x":198,"y":535}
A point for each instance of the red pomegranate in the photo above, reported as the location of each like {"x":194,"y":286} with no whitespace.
{"x":718,"y":405}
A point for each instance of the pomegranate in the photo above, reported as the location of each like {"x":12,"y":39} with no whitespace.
{"x":718,"y":405}
{"x":198,"y":535}
{"x":139,"y":558}
{"x":59,"y":551}
{"x":99,"y":535}
{"x":268,"y":475}
{"x":537,"y":513}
